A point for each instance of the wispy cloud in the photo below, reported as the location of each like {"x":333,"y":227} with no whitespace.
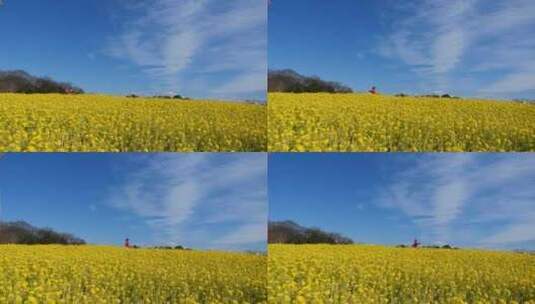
{"x":215,"y":47}
{"x":200,"y":200}
{"x":488,"y":43}
{"x":468,"y":199}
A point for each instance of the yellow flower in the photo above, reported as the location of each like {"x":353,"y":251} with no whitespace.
{"x":52,"y":122}
{"x":101,"y":274}
{"x":361,"y":122}
{"x":374,"y":274}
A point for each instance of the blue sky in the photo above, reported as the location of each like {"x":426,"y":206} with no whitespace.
{"x":200,"y":200}
{"x":198,"y":48}
{"x":468,"y":199}
{"x":464,"y":47}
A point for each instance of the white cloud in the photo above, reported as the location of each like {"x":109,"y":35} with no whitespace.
{"x":182,"y":43}
{"x":199,"y":199}
{"x":521,"y":231}
{"x":513,"y":82}
{"x":478,"y":200}
{"x":432,"y":38}
{"x":443,"y":40}
{"x":254,"y":81}
{"x":246,"y":234}
{"x":448,"y":50}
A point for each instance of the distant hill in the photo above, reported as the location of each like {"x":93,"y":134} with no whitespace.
{"x":291,"y":81}
{"x":289,"y":232}
{"x":22,"y":82}
{"x":21,"y":232}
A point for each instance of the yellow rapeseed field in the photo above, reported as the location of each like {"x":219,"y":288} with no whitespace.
{"x":365,"y":122}
{"x":52,"y":122}
{"x":95,"y":274}
{"x":350,"y":274}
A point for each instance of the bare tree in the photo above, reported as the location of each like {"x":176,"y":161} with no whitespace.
{"x":289,"y":232}
{"x":291,"y":81}
{"x":22,"y":82}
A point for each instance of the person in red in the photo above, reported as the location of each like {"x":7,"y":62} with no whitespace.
{"x":373,"y":90}
{"x":127,"y":243}
{"x":415,"y":244}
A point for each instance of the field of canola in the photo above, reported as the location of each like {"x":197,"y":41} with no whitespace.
{"x":117,"y":124}
{"x":359,"y":122}
{"x":374,"y":274}
{"x":94,"y":274}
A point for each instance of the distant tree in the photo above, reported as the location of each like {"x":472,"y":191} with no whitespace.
{"x":22,"y":82}
{"x":23,"y":233}
{"x":291,"y":233}
{"x":291,"y":81}
{"x":316,"y":236}
{"x":177,"y":247}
